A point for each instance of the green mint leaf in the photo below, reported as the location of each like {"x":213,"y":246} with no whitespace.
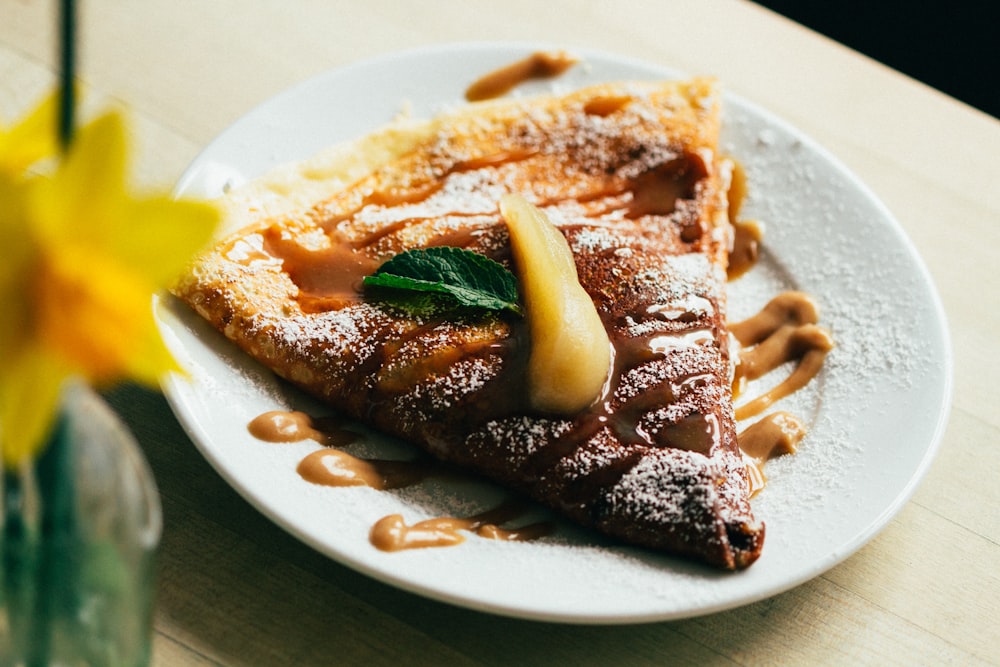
{"x":467,"y":278}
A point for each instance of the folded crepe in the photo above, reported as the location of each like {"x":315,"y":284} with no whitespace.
{"x":630,"y":174}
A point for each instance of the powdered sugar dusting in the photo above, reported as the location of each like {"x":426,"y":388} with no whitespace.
{"x":649,"y":491}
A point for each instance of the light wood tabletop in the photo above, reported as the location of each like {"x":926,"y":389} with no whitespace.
{"x":235,"y":589}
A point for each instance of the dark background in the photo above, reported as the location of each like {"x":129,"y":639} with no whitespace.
{"x":951,"y":46}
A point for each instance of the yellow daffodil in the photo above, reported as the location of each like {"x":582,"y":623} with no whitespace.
{"x":82,"y":258}
{"x":30,"y":140}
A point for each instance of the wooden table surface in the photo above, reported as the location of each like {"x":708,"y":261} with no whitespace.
{"x":237,"y":590}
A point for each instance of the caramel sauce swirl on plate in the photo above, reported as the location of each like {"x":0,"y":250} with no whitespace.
{"x":333,"y":467}
{"x":539,"y":65}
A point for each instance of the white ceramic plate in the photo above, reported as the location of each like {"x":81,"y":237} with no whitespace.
{"x":876,"y":414}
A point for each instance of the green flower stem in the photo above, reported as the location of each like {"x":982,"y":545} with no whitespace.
{"x":59,"y":544}
{"x":40,"y":558}
{"x":18,"y":565}
{"x":67,"y":73}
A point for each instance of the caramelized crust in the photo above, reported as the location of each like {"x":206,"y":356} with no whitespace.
{"x":630,"y":174}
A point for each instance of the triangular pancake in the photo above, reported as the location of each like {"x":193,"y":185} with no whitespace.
{"x":630,"y":173}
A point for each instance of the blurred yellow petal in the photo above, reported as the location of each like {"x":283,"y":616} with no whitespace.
{"x":88,"y":188}
{"x":90,"y":311}
{"x":156,"y":235}
{"x":29,"y":398}
{"x":15,"y":267}
{"x":31,"y":139}
{"x":15,"y":237}
{"x":151,"y":359}
{"x":159,"y":236}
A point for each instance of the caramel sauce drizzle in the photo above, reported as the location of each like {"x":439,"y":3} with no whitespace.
{"x":539,"y":65}
{"x":747,"y":234}
{"x":774,"y":435}
{"x":328,"y":279}
{"x":657,"y":191}
{"x":696,"y":432}
{"x":296,"y":426}
{"x":391,"y":533}
{"x":605,"y":106}
{"x":785,"y":330}
{"x":331,"y":277}
{"x":331,"y":466}
{"x":334,"y":467}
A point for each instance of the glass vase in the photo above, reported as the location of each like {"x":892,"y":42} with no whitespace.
{"x":79,"y":529}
